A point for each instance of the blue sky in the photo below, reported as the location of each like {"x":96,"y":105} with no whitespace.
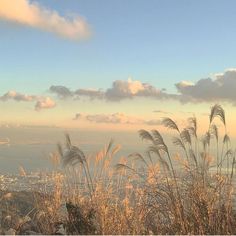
{"x":156,"y":44}
{"x":159,"y":42}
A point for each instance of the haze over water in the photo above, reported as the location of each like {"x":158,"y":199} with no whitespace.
{"x":32,"y":152}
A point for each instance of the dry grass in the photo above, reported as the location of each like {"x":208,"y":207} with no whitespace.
{"x":195,"y":200}
{"x":159,"y":192}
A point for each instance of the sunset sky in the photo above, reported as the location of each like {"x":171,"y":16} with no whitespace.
{"x":116,"y":65}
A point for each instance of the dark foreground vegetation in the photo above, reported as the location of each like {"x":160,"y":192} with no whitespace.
{"x":159,"y":192}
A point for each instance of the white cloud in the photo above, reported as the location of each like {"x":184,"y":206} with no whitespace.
{"x":17,"y":97}
{"x":30,"y":13}
{"x":41,"y":102}
{"x":44,"y":103}
{"x":220,"y":88}
{"x":115,"y":118}
{"x":120,"y":89}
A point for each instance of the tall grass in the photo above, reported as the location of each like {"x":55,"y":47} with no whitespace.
{"x":198,"y":200}
{"x":189,"y":191}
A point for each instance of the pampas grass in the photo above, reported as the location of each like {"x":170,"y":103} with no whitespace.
{"x":192,"y":199}
{"x":189,"y":191}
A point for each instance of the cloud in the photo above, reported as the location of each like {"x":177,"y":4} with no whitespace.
{"x":78,"y":116}
{"x":91,"y":93}
{"x":61,"y":91}
{"x":120,"y":90}
{"x":17,"y":97}
{"x":44,"y":103}
{"x":115,"y":118}
{"x":152,"y":122}
{"x":41,"y":102}
{"x":132,"y":88}
{"x":27,"y":126}
{"x":162,"y":112}
{"x":220,"y":88}
{"x":31,"y":14}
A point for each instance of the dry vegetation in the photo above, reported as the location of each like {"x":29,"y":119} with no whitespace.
{"x":155,"y":193}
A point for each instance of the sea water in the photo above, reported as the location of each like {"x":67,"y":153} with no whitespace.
{"x":30,"y":147}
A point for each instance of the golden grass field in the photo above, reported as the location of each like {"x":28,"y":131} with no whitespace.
{"x":158,"y":192}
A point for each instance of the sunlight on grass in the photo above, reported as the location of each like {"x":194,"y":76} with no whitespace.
{"x":157,"y":192}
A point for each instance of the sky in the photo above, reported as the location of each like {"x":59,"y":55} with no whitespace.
{"x":116,"y":65}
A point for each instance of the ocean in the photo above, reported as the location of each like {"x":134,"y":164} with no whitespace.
{"x":30,"y":147}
